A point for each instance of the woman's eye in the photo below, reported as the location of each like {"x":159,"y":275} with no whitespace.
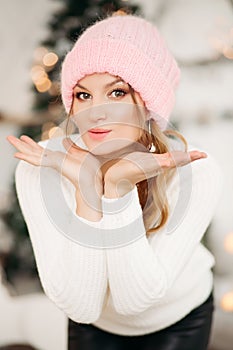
{"x":82,"y":95}
{"x":118,"y":93}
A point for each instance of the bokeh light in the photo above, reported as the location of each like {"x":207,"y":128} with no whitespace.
{"x":43,"y":84}
{"x":38,"y":73}
{"x":228,"y":242}
{"x":50,"y":59}
{"x":228,"y":52}
{"x":55,"y":131}
{"x":227,"y":302}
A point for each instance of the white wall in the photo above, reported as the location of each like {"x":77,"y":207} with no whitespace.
{"x":22,"y":27}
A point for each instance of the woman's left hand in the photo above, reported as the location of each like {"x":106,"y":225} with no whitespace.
{"x":135,"y":167}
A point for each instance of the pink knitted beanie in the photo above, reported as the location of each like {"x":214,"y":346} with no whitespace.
{"x":129,"y":47}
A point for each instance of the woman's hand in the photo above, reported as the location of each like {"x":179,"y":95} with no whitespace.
{"x":79,"y":166}
{"x":31,"y":152}
{"x":138,"y":166}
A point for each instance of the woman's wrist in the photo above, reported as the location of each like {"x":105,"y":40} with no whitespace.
{"x":88,"y":208}
{"x":88,"y":201}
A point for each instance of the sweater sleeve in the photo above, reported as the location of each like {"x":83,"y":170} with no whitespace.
{"x":141,"y":271}
{"x":73,"y":275}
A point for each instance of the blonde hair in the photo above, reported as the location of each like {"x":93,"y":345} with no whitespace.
{"x":152,"y":192}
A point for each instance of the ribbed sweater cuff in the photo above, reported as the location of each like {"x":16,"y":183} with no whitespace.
{"x":122,"y":221}
{"x":117,"y":212}
{"x":97,"y":224}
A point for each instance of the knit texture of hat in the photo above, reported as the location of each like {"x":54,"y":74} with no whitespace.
{"x":129,"y":47}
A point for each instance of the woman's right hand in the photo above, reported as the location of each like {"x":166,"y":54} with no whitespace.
{"x":79,"y":166}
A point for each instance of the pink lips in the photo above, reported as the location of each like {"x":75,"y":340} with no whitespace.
{"x":98,"y":134}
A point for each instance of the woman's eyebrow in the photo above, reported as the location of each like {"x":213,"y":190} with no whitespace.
{"x":106,"y":86}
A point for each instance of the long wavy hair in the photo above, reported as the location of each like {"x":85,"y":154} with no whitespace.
{"x":152,"y":192}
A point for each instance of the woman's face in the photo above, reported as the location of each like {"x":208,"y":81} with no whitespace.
{"x":105,"y":113}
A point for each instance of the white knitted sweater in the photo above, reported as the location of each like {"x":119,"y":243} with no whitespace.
{"x":128,"y":289}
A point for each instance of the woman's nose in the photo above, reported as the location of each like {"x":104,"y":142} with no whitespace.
{"x":98,"y":112}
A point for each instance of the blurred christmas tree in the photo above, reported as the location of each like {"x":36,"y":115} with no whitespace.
{"x":65,"y":26}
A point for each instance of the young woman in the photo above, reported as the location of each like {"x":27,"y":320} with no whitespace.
{"x":116,"y":213}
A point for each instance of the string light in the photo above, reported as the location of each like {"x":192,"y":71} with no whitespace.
{"x":228,"y":52}
{"x":43,"y":85}
{"x":38,"y":73}
{"x":45,"y":130}
{"x":227,"y":302}
{"x":46,"y":126}
{"x":228,"y":242}
{"x":119,"y":13}
{"x":55,"y":131}
{"x":45,"y":61}
{"x":50,"y":59}
{"x":40,"y":78}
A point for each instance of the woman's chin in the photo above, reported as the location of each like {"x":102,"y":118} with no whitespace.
{"x":111,"y":148}
{"x":102,"y":151}
{"x":105,"y":151}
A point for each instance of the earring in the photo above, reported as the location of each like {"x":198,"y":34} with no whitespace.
{"x":152,"y":149}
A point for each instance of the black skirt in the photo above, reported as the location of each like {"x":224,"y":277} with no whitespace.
{"x":190,"y":333}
